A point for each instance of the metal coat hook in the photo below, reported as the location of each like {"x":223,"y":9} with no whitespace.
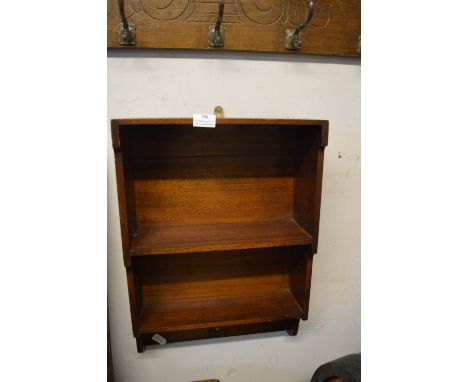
{"x":216,"y":32}
{"x":125,"y":31}
{"x":293,"y":36}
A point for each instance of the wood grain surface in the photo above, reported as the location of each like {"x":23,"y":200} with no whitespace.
{"x":250,"y":25}
{"x":217,"y":237}
{"x":219,"y":226}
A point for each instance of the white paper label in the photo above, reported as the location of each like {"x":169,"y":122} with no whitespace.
{"x":204,"y":120}
{"x":159,"y":339}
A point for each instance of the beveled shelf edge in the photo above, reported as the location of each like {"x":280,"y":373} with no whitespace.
{"x":290,"y":326}
{"x":219,"y":247}
{"x":286,"y":232}
{"x":221,"y":324}
{"x":295,"y":313}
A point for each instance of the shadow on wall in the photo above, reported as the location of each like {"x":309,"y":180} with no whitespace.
{"x":240,"y":56}
{"x":245,"y":372}
{"x":149,"y":353}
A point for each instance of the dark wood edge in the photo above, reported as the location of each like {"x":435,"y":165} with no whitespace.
{"x":232,"y":330}
{"x":110,"y":365}
{"x":318,"y":198}
{"x":115,"y":134}
{"x":117,"y":48}
{"x":292,"y":331}
{"x":125,"y":235}
{"x":215,"y":248}
{"x":133,"y":301}
{"x":139,"y":344}
{"x":115,"y":123}
{"x":308,"y":281}
{"x":324,"y":141}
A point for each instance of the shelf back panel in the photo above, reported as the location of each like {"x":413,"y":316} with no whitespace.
{"x":224,"y":273}
{"x":182,"y":175}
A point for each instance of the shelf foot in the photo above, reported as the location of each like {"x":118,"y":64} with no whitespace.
{"x":139,"y":344}
{"x":294,"y":329}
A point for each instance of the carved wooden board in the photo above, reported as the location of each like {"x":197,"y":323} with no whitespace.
{"x":250,"y":25}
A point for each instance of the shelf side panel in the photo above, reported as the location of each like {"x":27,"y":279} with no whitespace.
{"x":308,"y":180}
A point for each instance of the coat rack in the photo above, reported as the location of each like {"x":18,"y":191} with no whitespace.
{"x":323,"y":27}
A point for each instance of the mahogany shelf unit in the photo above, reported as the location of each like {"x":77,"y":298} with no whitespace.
{"x":219,"y":225}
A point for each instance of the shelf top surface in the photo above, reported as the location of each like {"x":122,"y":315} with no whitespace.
{"x":218,"y":237}
{"x":219,"y":121}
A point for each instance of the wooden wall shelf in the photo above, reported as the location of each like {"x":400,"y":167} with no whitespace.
{"x":219,"y":226}
{"x":258,"y":26}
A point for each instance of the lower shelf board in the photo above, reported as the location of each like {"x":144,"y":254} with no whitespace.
{"x":291,"y":326}
{"x":218,"y":311}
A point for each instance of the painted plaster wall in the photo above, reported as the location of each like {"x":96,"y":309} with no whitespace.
{"x":166,"y":84}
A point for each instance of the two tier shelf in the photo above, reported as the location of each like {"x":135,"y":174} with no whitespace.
{"x":219,"y":225}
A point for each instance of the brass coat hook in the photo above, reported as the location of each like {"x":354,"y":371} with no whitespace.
{"x":293,"y":36}
{"x":216,"y":32}
{"x":125,"y":31}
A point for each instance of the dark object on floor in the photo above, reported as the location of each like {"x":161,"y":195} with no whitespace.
{"x":345,"y":369}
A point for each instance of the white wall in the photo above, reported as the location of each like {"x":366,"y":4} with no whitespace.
{"x":166,"y":84}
